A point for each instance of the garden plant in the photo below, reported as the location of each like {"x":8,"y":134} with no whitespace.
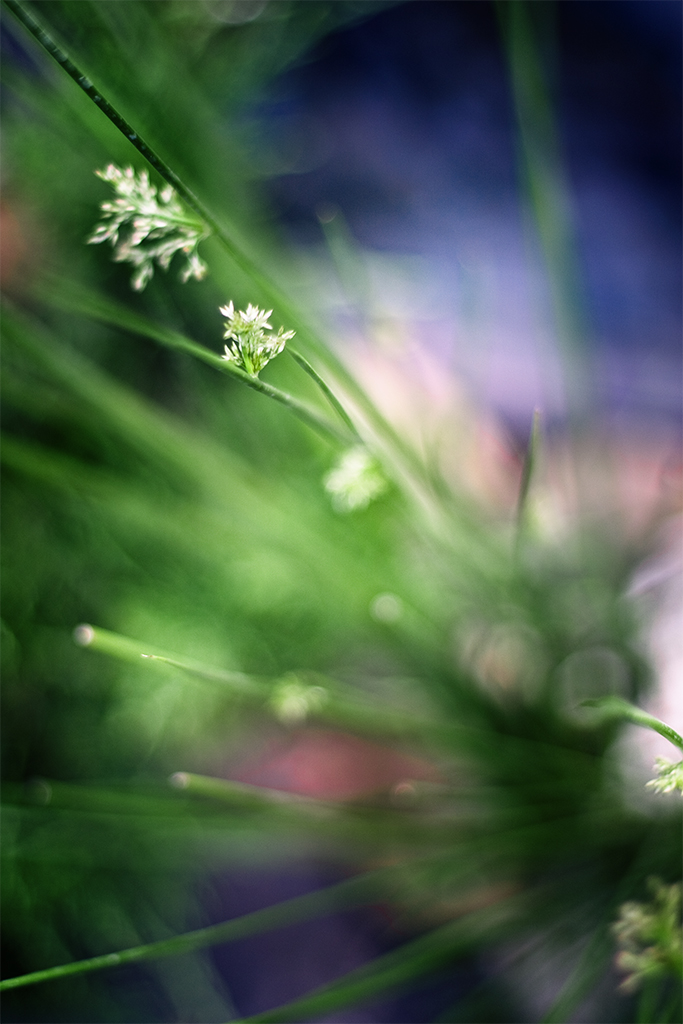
{"x":216,"y":545}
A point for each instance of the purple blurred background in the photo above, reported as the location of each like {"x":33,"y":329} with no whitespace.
{"x":404,"y":122}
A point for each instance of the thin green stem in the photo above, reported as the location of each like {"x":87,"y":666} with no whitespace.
{"x":349,"y":893}
{"x":528,"y":469}
{"x":417,"y":958}
{"x":615,"y":707}
{"x":125,"y":649}
{"x":340,"y":709}
{"x":243,"y":796}
{"x":540,"y":160}
{"x":307,"y":415}
{"x":325,"y":388}
{"x":339,"y":824}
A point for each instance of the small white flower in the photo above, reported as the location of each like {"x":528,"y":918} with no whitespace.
{"x":355,"y":481}
{"x":249,"y":343}
{"x":157,"y":226}
{"x":669,"y":776}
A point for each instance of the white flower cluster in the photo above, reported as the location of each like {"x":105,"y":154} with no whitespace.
{"x":649,"y":936}
{"x":355,"y":481}
{"x":292,"y":701}
{"x":157,"y":226}
{"x":249,"y":343}
{"x":669,"y":776}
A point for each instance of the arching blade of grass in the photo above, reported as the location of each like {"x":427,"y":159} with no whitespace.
{"x":73,"y":298}
{"x":353,"y":892}
{"x":420,"y":957}
{"x":152,"y":432}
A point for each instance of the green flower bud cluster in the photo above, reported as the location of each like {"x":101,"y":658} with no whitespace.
{"x":669,"y":776}
{"x":649,"y":936}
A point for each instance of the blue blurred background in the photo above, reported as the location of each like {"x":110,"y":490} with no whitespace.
{"x":404,"y":122}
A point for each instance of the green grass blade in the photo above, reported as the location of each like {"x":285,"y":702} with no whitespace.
{"x":528,"y":470}
{"x":541,"y":166}
{"x":337,"y":708}
{"x":123,"y":648}
{"x":325,"y":388}
{"x":352,"y":892}
{"x":389,"y":972}
{"x":590,"y":969}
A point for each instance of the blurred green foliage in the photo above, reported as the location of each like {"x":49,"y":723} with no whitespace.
{"x":154,"y":497}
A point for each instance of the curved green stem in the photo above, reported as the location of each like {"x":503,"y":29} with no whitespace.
{"x":325,"y":388}
{"x":615,"y":707}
